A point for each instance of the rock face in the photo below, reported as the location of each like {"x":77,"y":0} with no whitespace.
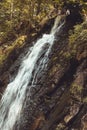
{"x":12,"y":52}
{"x":59,"y":100}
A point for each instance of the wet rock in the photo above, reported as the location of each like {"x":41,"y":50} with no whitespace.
{"x":58,"y":100}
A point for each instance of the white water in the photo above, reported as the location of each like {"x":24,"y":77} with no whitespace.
{"x":12,"y":101}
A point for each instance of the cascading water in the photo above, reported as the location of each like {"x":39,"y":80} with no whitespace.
{"x":12,"y":101}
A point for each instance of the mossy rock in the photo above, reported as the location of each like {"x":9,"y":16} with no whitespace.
{"x":78,"y":41}
{"x":6,"y":50}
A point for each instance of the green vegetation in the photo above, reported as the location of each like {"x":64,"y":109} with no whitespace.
{"x":76,"y":91}
{"x":18,"y":15}
{"x":17,"y":18}
{"x":77,"y":42}
{"x":76,"y":88}
{"x":6,"y":50}
{"x":80,"y":31}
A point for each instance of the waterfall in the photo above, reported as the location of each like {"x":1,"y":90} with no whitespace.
{"x":13,"y":98}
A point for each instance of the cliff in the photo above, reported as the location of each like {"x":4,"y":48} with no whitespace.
{"x":59,"y":100}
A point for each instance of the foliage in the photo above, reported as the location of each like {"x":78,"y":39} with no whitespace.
{"x":16,"y":17}
{"x":76,"y":90}
{"x":5,"y":50}
{"x":78,"y":32}
{"x":15,"y":13}
{"x":78,"y":40}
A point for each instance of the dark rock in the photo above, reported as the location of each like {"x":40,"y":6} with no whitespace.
{"x":58,"y":100}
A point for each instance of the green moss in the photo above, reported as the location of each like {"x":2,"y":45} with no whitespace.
{"x":54,"y":69}
{"x":20,"y":41}
{"x":75,"y":88}
{"x":4,"y":53}
{"x":2,"y":58}
{"x":78,"y":39}
{"x":67,"y":55}
{"x":79,"y":30}
{"x":76,"y":91}
{"x":85,"y":100}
